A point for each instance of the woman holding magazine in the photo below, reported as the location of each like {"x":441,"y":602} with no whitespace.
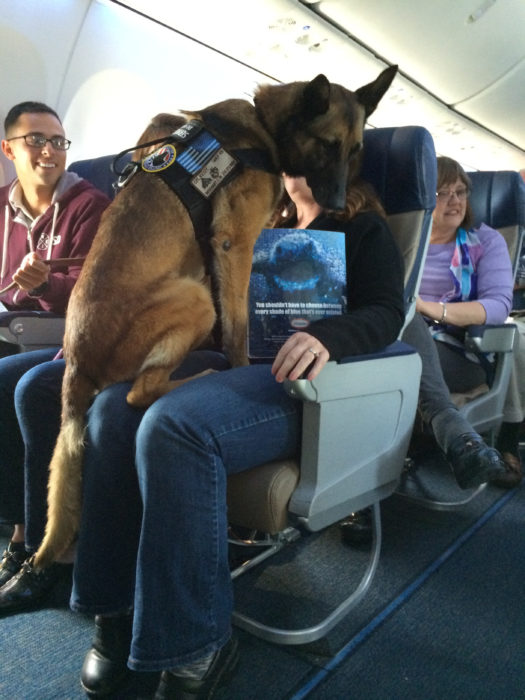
{"x":159,"y":585}
{"x":182,"y":448}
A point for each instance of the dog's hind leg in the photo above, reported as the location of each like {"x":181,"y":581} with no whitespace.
{"x":177,"y":325}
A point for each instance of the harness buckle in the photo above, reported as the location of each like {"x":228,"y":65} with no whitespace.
{"x":124,"y":177}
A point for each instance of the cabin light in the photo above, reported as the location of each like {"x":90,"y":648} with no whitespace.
{"x":481,"y":10}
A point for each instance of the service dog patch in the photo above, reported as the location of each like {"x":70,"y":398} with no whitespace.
{"x":160,"y":159}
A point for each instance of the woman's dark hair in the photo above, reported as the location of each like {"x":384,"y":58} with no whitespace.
{"x":360,"y":197}
{"x":16,"y":112}
{"x":448,"y":172}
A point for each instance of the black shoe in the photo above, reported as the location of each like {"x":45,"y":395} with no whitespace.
{"x":105,"y":666}
{"x":513,"y":474}
{"x":356,"y":529}
{"x":221,"y":670}
{"x":473,"y":462}
{"x":29,"y":588}
{"x":13,"y":558}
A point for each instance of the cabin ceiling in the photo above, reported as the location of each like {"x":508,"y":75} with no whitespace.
{"x":461,"y":62}
{"x":468,"y":53}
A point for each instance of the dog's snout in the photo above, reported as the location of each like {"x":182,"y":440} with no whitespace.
{"x":336,"y":201}
{"x":329,"y":195}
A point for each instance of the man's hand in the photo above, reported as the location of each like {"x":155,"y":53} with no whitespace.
{"x":32,"y":273}
{"x":297,"y":355}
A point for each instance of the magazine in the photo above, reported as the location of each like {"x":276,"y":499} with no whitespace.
{"x":298,"y":276}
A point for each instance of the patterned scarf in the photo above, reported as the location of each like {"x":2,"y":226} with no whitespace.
{"x":463,"y":267}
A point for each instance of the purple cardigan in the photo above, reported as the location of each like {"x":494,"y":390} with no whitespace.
{"x":495,"y":282}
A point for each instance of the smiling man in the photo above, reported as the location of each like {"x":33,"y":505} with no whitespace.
{"x":45,"y":213}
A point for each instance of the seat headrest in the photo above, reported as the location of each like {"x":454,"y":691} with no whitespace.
{"x":498,"y":198}
{"x":400,"y":162}
{"x":98,"y":171}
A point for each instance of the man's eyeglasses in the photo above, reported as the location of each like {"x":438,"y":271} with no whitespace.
{"x":60,"y":143}
{"x":445,"y":195}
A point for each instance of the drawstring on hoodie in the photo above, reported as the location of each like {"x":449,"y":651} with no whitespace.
{"x":4,"y":251}
{"x":56,"y":207}
{"x":52,"y":237}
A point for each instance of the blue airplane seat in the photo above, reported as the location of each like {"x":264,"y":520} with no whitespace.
{"x":357,"y":414}
{"x":99,"y":171}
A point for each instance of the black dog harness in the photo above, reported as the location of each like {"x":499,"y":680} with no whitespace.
{"x":194,"y":164}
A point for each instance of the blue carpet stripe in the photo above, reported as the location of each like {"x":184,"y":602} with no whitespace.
{"x":360,"y":637}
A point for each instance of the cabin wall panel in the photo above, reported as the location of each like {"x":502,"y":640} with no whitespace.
{"x":36,"y":40}
{"x":125,"y":69}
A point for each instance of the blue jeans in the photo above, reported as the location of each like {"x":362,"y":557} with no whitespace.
{"x":25,"y":455}
{"x":153,"y":535}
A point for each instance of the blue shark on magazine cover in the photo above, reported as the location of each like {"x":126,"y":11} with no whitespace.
{"x":297,"y":276}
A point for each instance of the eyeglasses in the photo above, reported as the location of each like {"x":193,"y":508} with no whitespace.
{"x":60,"y":143}
{"x":445,"y":195}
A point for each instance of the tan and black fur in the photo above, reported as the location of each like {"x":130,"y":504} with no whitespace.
{"x":142,"y":302}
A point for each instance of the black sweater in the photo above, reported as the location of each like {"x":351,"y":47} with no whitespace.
{"x":374,"y":288}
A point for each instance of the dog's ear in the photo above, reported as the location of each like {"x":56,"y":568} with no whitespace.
{"x":316,"y":97}
{"x":370,"y":95}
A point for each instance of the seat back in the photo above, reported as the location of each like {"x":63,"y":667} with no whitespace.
{"x":99,"y":172}
{"x":498,"y":200}
{"x":357,"y":415}
{"x":400,"y":162}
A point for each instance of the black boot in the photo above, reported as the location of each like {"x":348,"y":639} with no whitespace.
{"x":105,"y":666}
{"x":356,"y":529}
{"x":219,"y":674}
{"x":30,"y":588}
{"x":473,"y":462}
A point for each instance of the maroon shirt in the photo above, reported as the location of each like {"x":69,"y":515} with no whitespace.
{"x":68,"y":226}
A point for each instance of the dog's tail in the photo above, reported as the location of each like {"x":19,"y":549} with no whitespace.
{"x":65,"y":471}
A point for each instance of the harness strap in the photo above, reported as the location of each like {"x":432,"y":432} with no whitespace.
{"x":194,"y":174}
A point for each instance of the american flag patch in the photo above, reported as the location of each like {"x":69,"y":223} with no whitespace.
{"x":201,"y":150}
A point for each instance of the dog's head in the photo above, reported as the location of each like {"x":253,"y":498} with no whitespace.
{"x":318,"y":129}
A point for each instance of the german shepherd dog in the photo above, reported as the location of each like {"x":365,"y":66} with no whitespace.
{"x":142,"y":302}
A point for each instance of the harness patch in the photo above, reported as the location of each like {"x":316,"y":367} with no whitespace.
{"x":198,"y":152}
{"x":160,"y":159}
{"x":214,"y":172}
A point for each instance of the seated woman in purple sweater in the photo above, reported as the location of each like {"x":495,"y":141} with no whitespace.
{"x":467,"y":280}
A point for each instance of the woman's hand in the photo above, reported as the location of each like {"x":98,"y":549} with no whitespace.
{"x":32,"y":272}
{"x":458,"y":313}
{"x":300,"y":352}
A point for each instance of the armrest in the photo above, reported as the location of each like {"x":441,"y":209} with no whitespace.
{"x":357,"y":421}
{"x":491,"y":338}
{"x":32,"y":329}
{"x":339,"y":380}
